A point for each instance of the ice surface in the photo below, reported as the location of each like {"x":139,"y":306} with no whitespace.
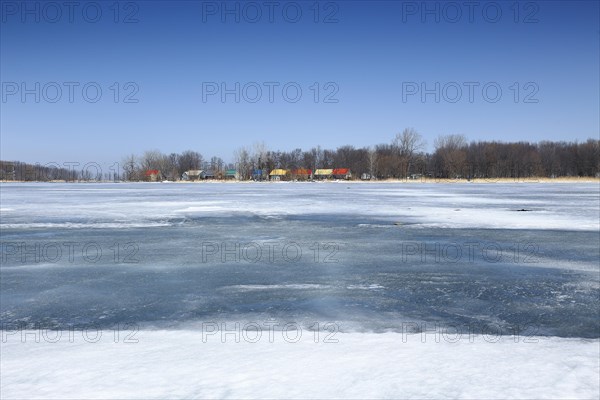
{"x":375,"y":260}
{"x":370,"y":256}
{"x":553,"y":206}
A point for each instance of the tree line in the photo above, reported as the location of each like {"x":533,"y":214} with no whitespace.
{"x":404,"y":157}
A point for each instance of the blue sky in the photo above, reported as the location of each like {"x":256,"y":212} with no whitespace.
{"x":369,"y":53}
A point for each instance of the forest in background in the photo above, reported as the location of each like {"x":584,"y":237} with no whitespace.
{"x":454,"y":157}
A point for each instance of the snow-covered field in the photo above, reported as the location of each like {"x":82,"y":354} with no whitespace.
{"x":292,"y":290}
{"x":167,"y":364}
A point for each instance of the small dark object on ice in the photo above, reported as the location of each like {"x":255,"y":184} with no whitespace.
{"x":522,"y":209}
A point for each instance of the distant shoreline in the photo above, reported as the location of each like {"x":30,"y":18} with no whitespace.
{"x":405,"y":181}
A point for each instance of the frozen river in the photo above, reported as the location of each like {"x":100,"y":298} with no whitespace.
{"x":369,"y":257}
{"x":356,"y":258}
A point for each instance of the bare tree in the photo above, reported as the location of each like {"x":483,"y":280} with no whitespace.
{"x":406,"y":145}
{"x":451,"y":154}
{"x":151,"y":160}
{"x":169,"y":167}
{"x":259,"y":155}
{"x":131,"y":168}
{"x":243,"y":162}
{"x":318,"y":157}
{"x":189,"y":160}
{"x":409,"y":142}
{"x":450,"y":142}
{"x":308,"y":160}
{"x":216,"y":164}
{"x":372,"y":161}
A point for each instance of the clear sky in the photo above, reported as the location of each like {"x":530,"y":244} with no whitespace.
{"x":370,"y":61}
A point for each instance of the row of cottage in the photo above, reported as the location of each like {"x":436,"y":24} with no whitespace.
{"x":259,"y":174}
{"x":307,"y":174}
